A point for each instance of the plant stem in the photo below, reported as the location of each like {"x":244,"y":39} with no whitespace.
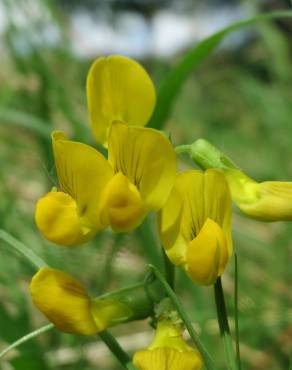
{"x":25,"y":338}
{"x":117,"y":350}
{"x":22,"y":249}
{"x":207,"y":358}
{"x":223,"y":324}
{"x":236,"y":312}
{"x":169,"y":270}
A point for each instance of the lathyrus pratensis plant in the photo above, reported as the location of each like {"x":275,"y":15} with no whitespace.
{"x":138,"y":176}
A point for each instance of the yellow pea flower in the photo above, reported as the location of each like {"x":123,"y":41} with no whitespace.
{"x":95,"y":192}
{"x":118,"y":90}
{"x":168,"y":351}
{"x":195,"y":224}
{"x":65,"y":302}
{"x":264,"y":201}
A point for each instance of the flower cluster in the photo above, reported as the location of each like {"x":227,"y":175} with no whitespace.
{"x":138,"y":176}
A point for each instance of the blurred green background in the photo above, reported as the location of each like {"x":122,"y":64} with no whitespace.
{"x":240,"y":99}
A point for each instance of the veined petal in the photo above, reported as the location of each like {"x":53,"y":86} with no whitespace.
{"x":167,"y":358}
{"x":63,"y":300}
{"x":57,"y":218}
{"x":169,"y":226}
{"x":146,"y":157}
{"x":207,"y":254}
{"x":217,"y":202}
{"x":118,"y":89}
{"x":83,"y":174}
{"x":195,"y":197}
{"x":168,"y":351}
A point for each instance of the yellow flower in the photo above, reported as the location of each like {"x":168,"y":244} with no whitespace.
{"x":95,"y":193}
{"x":265,"y":201}
{"x":118,"y":90}
{"x":168,"y":351}
{"x":65,"y":302}
{"x":195,"y":224}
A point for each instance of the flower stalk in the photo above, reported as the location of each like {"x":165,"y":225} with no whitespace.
{"x":188,"y":324}
{"x":224,"y":325}
{"x":116,"y":350}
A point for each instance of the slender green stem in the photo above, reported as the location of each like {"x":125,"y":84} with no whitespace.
{"x":207,"y":358}
{"x":117,"y":350}
{"x":25,"y":338}
{"x":223,"y":325}
{"x":22,"y":249}
{"x":182,"y":148}
{"x":169,"y":270}
{"x":236,"y":312}
{"x":122,"y":290}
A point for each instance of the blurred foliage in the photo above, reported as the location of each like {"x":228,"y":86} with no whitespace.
{"x":240,"y":100}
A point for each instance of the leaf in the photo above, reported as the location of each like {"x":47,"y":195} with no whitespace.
{"x":23,"y":120}
{"x":170,"y":87}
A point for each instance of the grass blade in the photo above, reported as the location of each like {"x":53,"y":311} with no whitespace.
{"x":170,"y":87}
{"x":23,"y":120}
{"x":26,"y":338}
{"x":22,"y":249}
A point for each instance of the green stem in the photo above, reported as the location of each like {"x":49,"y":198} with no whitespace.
{"x":22,"y":249}
{"x":25,"y":338}
{"x":169,"y":270}
{"x":207,"y":358}
{"x":117,"y":350}
{"x":236,"y":312}
{"x":223,"y":324}
{"x":121,"y":291}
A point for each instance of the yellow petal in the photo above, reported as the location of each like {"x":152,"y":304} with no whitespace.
{"x":266,"y":201}
{"x":63,"y":300}
{"x":146,"y":157}
{"x":217,"y":199}
{"x":57,"y":218}
{"x":195,"y":197}
{"x":167,"y":359}
{"x":168,"y":351}
{"x":83,"y":174}
{"x":207,"y":254}
{"x":121,"y":204}
{"x":169,"y":225}
{"x":118,"y":89}
{"x":169,"y":334}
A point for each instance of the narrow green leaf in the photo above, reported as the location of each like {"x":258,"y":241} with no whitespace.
{"x":184,"y":316}
{"x":22,"y":249}
{"x":170,"y":87}
{"x":23,"y":120}
{"x":26,"y":338}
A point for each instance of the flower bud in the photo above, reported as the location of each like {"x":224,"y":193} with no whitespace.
{"x":265,"y":201}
